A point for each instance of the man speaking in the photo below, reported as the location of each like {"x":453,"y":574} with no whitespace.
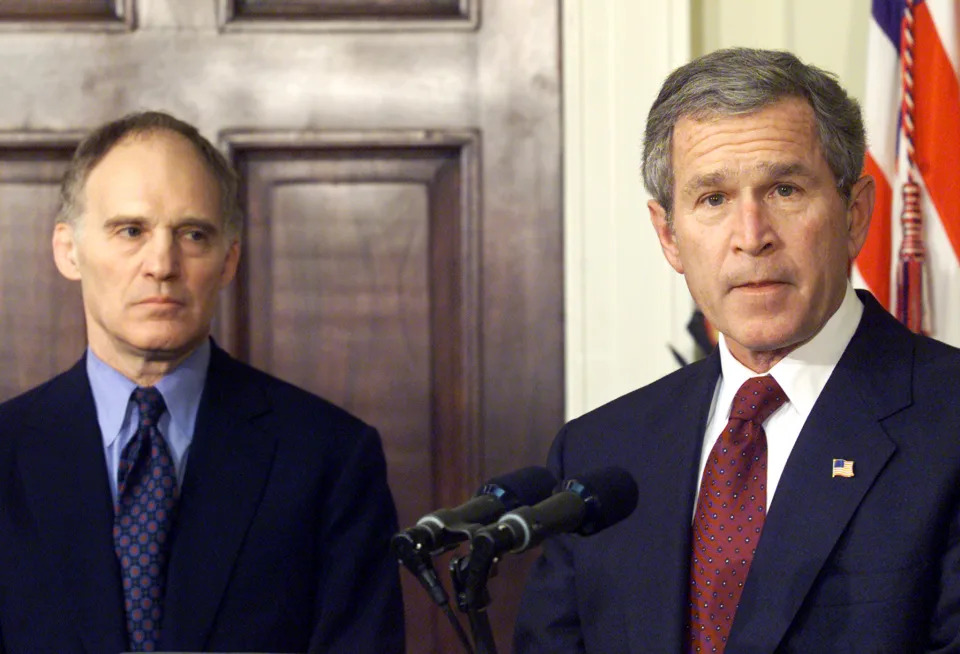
{"x":800,"y":487}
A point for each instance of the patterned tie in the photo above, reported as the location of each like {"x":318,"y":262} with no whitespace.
{"x":730,"y":512}
{"x":146,"y":500}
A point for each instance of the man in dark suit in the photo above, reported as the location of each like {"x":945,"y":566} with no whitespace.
{"x":161,"y":495}
{"x":800,"y":487}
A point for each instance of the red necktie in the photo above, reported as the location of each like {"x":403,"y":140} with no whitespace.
{"x":731,"y":507}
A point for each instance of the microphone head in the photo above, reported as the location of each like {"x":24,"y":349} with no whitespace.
{"x":521,"y":487}
{"x":610,"y":495}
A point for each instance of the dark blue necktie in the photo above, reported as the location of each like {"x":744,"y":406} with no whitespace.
{"x":146,"y":500}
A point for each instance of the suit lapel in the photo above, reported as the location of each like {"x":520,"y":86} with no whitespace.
{"x":228,"y":466}
{"x":657,"y":587}
{"x":64,"y":477}
{"x":811,"y":509}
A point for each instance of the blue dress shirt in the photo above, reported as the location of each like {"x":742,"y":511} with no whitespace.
{"x":118,"y":415}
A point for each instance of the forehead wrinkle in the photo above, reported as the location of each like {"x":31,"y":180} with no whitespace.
{"x":776,"y":169}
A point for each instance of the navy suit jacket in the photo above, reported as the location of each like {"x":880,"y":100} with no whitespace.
{"x":867,"y":564}
{"x":281,"y":542}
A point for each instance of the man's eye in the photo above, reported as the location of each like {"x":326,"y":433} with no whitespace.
{"x":785,"y":190}
{"x":131,"y":231}
{"x":196,"y":235}
{"x":714,"y":199}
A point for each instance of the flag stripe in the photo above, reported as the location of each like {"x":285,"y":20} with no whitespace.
{"x":874,"y":265}
{"x":936,"y":137}
{"x":945,"y":15}
{"x":886,"y":14}
{"x":937,"y":117}
{"x":882,"y":101}
{"x":874,"y":260}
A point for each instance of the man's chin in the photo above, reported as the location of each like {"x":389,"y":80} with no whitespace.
{"x":165,"y":347}
{"x":762,"y":332}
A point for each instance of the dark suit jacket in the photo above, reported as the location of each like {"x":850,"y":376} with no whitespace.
{"x":281,"y":543}
{"x":869,"y":564}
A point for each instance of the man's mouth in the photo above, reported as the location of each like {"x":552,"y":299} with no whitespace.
{"x":160,"y":300}
{"x":759,"y":285}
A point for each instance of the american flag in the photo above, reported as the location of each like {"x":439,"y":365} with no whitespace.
{"x":912,"y":112}
{"x":842,"y":468}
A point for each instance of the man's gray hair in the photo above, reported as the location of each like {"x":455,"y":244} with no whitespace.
{"x":739,"y":81}
{"x":100,"y":141}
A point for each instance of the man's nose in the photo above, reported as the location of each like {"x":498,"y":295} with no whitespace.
{"x":753,"y":230}
{"x":161,"y":256}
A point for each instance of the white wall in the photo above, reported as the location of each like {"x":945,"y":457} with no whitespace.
{"x":831,"y":34}
{"x":620,"y":294}
{"x":624,"y":305}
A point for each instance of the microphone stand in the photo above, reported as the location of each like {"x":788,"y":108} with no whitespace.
{"x":419,"y":562}
{"x":470,"y":574}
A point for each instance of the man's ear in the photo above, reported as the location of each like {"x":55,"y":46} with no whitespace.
{"x":65,"y":251}
{"x":859,"y":211}
{"x":668,"y":239}
{"x":230,"y":263}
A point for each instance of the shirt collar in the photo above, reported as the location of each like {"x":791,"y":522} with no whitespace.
{"x":181,"y":389}
{"x":804,"y":372}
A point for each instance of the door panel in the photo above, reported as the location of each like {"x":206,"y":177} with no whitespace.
{"x":358,"y":246}
{"x":400,"y":164}
{"x":41,"y":316}
{"x":319,"y":10}
{"x":59,"y":10}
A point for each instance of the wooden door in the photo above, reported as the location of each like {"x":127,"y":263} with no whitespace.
{"x":401,"y":176}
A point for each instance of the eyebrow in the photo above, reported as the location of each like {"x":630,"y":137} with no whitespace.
{"x":117,"y":221}
{"x":772,"y":170}
{"x":190,"y":221}
{"x":709,"y":180}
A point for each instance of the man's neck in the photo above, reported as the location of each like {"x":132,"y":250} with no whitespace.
{"x":760,"y":362}
{"x":143,"y":367}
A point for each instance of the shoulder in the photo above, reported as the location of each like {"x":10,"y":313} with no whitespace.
{"x":939,"y":357}
{"x":883,"y":342}
{"x":908,"y":382}
{"x":659,"y":415}
{"x":682,"y":388}
{"x":32,"y":404}
{"x":935,"y":380}
{"x":879,"y":333}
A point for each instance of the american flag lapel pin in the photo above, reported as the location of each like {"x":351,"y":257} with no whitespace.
{"x":842,"y":468}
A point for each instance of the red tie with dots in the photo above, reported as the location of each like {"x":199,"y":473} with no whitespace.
{"x":731,"y":507}
{"x":146,"y":500}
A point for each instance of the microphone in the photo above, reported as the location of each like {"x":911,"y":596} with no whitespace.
{"x":444,"y":528}
{"x":584,"y":505}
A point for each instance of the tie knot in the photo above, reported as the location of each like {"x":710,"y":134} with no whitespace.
{"x":757,"y":399}
{"x":150,"y":404}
